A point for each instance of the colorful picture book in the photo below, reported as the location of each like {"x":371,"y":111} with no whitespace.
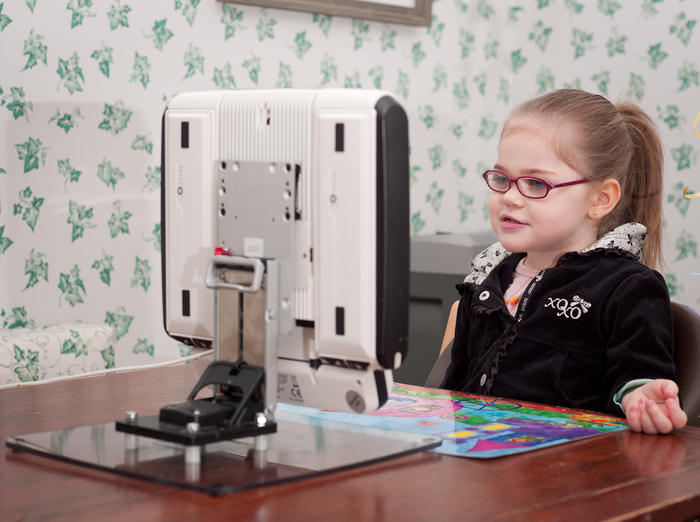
{"x":477,"y":426}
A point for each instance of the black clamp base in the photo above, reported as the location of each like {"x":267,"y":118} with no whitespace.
{"x":236,"y":411}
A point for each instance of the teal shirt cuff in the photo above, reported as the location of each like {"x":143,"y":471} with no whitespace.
{"x":628,"y":387}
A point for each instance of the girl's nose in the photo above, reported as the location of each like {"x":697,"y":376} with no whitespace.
{"x":513,"y":196}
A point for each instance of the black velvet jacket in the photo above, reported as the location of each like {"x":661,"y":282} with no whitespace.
{"x":583,"y":329}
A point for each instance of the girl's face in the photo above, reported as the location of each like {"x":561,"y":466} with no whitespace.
{"x":543,"y":228}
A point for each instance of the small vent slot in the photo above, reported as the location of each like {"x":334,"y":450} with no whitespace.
{"x":340,"y":320}
{"x":339,"y":137}
{"x":185,"y":134}
{"x":186,"y":303}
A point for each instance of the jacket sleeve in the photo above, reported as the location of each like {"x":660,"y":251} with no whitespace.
{"x":638,"y":330}
{"x":457,"y":371}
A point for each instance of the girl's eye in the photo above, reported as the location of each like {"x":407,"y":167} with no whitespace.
{"x":499,"y":180}
{"x":536,"y":185}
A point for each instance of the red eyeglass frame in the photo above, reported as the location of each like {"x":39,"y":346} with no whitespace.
{"x":515,"y":180}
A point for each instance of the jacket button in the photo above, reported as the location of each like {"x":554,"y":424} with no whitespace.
{"x":483,"y":380}
{"x":483,"y":296}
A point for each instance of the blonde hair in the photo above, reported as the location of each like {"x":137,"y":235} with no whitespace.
{"x":608,"y":141}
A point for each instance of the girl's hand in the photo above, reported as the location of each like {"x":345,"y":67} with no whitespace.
{"x":654,"y":407}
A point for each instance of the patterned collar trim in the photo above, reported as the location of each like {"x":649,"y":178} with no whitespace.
{"x":628,"y":238}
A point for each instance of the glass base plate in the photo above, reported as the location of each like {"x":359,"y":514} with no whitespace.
{"x":302,"y":447}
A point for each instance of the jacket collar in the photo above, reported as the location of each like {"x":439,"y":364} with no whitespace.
{"x":626,"y":239}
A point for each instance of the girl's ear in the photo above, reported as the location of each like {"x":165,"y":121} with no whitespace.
{"x":605,"y":199}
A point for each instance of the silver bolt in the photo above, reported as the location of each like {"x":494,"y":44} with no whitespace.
{"x":192,"y":427}
{"x":260,"y":420}
{"x":131,"y":416}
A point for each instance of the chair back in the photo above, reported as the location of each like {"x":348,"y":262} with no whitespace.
{"x":686,"y":351}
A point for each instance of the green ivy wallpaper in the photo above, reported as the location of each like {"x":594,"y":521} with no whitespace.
{"x":83,"y":85}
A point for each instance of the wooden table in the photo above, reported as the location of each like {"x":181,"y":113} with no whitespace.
{"x":617,"y":476}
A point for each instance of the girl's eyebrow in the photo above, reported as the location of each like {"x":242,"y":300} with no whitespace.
{"x":526,"y":172}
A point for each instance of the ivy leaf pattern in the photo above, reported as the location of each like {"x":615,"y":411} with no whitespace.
{"x":683,"y":156}
{"x":324,"y":22}
{"x":105,"y":267}
{"x":581,"y":41}
{"x":17,"y":318}
{"x":142,"y":274}
{"x":232,"y":19}
{"x":108,"y":357}
{"x":26,"y":364}
{"x":32,"y":152}
{"x":155,"y":237}
{"x":108,"y":174}
{"x":71,"y":286}
{"x":141,"y":72}
{"x":671,"y":116}
{"x":188,"y":8}
{"x":85,"y":84}
{"x":194,"y":61}
{"x":686,"y":246}
{"x":35,"y":50}
{"x":143,"y":345}
{"x":152,"y":179}
{"x":253,"y":67}
{"x":656,"y":55}
{"x":223,"y":78}
{"x":5,"y":242}
{"x":28,"y":207}
{"x":161,"y":35}
{"x":265,"y":26}
{"x":79,"y":10}
{"x":683,"y":28}
{"x":104,"y":59}
{"x":66,"y":121}
{"x":115,"y":118}
{"x":120,"y":320}
{"x":688,"y":76}
{"x":80,"y":217}
{"x":301,"y":44}
{"x":118,"y":15}
{"x":466,"y":203}
{"x":75,"y":345}
{"x":70,"y":175}
{"x":71,"y":73}
{"x":36,"y":267}
{"x":16,"y":103}
{"x":142,"y":142}
{"x":4,"y":19}
{"x":118,"y":221}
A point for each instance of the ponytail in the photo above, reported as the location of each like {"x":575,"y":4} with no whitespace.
{"x":641,"y":200}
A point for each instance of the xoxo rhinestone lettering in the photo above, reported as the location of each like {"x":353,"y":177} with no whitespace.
{"x":571,"y":310}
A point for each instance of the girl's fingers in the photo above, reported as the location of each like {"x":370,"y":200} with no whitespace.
{"x":645,"y":420}
{"x":657,"y":418}
{"x":634,"y":418}
{"x":669,"y":389}
{"x":676,"y":414}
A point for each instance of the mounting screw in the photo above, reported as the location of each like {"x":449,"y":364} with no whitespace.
{"x":260,"y":420}
{"x":131,"y":416}
{"x":192,"y":427}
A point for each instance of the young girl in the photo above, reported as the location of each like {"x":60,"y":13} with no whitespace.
{"x":566,"y":309}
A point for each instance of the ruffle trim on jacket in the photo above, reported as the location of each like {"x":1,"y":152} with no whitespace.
{"x":626,"y":240}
